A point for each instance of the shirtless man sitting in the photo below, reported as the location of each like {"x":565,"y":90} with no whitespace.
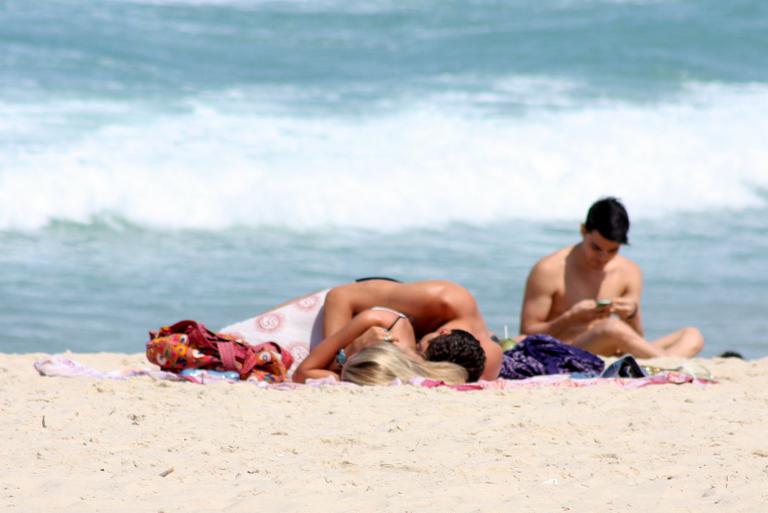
{"x":589,"y":296}
{"x":434,"y":307}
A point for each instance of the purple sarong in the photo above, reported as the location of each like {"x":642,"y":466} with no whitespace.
{"x":538,"y":355}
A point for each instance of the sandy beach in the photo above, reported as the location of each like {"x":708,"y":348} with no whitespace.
{"x":82,"y":445}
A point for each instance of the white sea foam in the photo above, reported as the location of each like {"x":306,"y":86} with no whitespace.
{"x":361,"y":7}
{"x":372,"y":6}
{"x":423,"y":165}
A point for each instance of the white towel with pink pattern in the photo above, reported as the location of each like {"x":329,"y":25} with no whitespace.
{"x":296,"y":326}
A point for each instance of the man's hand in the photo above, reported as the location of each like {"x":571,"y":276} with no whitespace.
{"x":624,"y":308}
{"x":586,"y":311}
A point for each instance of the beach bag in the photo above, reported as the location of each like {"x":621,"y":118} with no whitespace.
{"x":190,"y":345}
{"x":539,"y":355}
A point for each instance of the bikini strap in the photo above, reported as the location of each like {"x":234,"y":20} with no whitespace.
{"x":400,"y":315}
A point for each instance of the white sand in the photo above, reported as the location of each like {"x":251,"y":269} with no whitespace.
{"x":391,"y":449}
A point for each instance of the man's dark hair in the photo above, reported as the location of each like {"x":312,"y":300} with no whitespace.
{"x":609,"y":217}
{"x":459,"y":347}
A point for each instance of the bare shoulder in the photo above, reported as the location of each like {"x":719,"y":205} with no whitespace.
{"x":547,"y":275}
{"x":346,"y":290}
{"x":447,"y":294}
{"x":550,"y":266}
{"x":627,"y":268}
{"x":357,"y":294}
{"x":434,"y":290}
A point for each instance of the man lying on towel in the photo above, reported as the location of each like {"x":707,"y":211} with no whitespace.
{"x":589,"y":296}
{"x":413,"y":316}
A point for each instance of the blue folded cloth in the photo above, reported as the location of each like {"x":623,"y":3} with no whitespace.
{"x":624,"y":367}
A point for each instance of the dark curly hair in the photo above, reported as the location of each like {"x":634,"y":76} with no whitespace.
{"x":459,"y":347}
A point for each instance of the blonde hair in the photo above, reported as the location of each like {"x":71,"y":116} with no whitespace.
{"x":382,"y":363}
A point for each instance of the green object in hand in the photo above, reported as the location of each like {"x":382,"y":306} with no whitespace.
{"x":603,"y":303}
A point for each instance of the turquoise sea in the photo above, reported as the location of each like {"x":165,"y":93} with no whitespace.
{"x":207,"y":159}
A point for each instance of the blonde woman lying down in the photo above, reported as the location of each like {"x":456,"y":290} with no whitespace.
{"x":377,"y":346}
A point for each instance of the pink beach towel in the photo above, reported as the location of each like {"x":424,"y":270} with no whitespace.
{"x":61,"y":366}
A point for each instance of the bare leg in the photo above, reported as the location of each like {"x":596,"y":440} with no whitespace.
{"x":686,"y":342}
{"x":611,"y":337}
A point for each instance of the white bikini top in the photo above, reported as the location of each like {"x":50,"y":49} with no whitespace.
{"x":400,"y":315}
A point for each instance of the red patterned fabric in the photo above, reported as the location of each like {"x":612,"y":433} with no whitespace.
{"x":297,"y":326}
{"x":189,"y":344}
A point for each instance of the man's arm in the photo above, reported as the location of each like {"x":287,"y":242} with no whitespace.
{"x":463,"y":313}
{"x":492,"y":358}
{"x":540,"y":289}
{"x":627,"y":307}
{"x":338,"y":309}
{"x":317,"y":364}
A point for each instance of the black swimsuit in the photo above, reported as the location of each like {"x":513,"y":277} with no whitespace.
{"x":369,"y":278}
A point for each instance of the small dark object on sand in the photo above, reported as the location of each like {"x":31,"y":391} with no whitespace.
{"x":730,"y":354}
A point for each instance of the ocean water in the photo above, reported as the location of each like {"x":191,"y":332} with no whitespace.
{"x":207,"y":159}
